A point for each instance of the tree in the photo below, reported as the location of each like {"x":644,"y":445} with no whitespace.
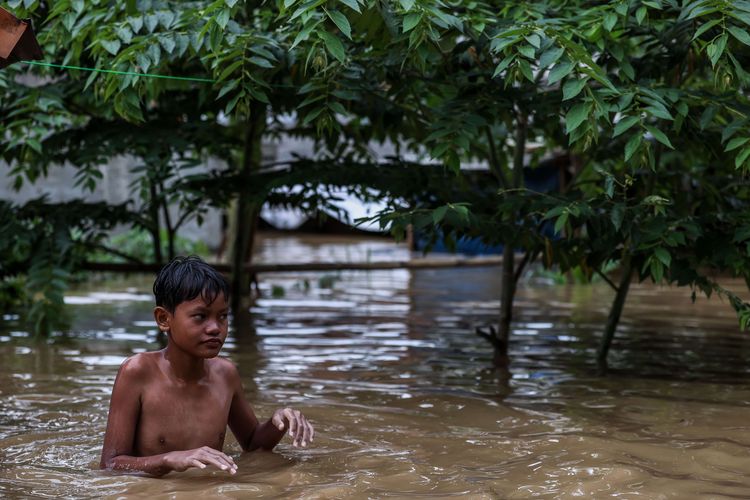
{"x":617,"y":84}
{"x":644,"y":93}
{"x":264,"y":61}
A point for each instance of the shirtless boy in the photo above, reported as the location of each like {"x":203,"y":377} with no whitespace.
{"x":170,"y":409}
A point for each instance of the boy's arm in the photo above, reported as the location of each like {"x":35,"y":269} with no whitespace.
{"x":124,"y":412}
{"x":253,"y":435}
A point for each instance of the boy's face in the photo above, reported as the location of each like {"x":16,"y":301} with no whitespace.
{"x":196,"y":327}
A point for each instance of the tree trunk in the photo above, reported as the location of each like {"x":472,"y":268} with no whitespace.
{"x":615,"y":312}
{"x":246,"y":214}
{"x":168,"y":224}
{"x":506,"y":307}
{"x":155,"y":229}
{"x":508,"y":290}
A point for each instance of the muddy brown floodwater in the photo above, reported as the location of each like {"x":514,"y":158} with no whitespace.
{"x":400,"y":389}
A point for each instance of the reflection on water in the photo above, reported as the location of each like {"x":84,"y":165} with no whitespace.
{"x":401,"y":391}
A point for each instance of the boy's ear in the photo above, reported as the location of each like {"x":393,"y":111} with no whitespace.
{"x":162,"y":318}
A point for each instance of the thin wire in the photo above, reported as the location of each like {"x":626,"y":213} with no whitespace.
{"x":114,"y":72}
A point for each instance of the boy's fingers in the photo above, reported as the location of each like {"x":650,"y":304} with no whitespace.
{"x":301,"y":430}
{"x":309,"y":433}
{"x":292,"y":423}
{"x":220,"y":455}
{"x":197,"y":463}
{"x":278,"y":422}
{"x":213,"y":460}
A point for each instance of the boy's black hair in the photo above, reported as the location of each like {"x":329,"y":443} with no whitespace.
{"x":184,"y":278}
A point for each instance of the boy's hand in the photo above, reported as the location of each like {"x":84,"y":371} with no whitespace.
{"x":300,"y":430}
{"x":200,"y":458}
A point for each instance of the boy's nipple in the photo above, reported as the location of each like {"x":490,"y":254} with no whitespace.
{"x":162,"y":441}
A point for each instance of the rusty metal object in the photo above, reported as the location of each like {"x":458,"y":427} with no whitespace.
{"x":17,"y":40}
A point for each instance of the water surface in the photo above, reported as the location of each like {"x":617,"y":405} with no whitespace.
{"x":402,"y":392}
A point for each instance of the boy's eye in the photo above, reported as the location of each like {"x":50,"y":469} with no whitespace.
{"x":199,"y":316}
{"x":223,"y":316}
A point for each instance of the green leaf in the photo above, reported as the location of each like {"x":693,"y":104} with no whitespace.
{"x":259,"y":61}
{"x":334,"y":45}
{"x":411,"y":20}
{"x":560,"y":222}
{"x":304,"y":34}
{"x":525,"y":68}
{"x":143,"y":61}
{"x":659,"y":136}
{"x":550,"y":56}
{"x":659,"y":112}
{"x":167,"y":43}
{"x":222,"y":18}
{"x":534,"y":40}
{"x":628,"y":70}
{"x":439,"y":213}
{"x":336,"y":107}
{"x":151,"y":21}
{"x":575,"y":116}
{"x":111,"y":46}
{"x":705,"y":27}
{"x":34,"y":144}
{"x":124,"y":33}
{"x":739,"y":34}
{"x":503,"y":64}
{"x":229,"y":70}
{"x":741,"y":157}
{"x":554,"y":212}
{"x":716,"y":49}
{"x":573,"y":87}
{"x":341,"y":22}
{"x":623,"y":125}
{"x":233,"y":102}
{"x":736,"y":142}
{"x":632,"y":146}
{"x":707,"y":116}
{"x":406,"y":4}
{"x":640,"y":14}
{"x":352,"y":4}
{"x":560,"y":71}
{"x":154,"y":52}
{"x":617,"y":215}
{"x":526,"y":51}
{"x":663,"y":255}
{"x":657,"y":270}
{"x":610,"y":19}
{"x":227,"y":88}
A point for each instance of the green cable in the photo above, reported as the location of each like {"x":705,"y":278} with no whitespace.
{"x":149,"y":75}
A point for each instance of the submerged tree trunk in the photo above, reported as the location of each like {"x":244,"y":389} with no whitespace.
{"x":506,"y":307}
{"x":508,"y":290}
{"x":246,"y":215}
{"x":615,"y":312}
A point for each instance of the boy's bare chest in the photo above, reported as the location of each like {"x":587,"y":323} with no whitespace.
{"x":182,"y":418}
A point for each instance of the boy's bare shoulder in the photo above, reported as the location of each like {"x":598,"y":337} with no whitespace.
{"x":139,"y":365}
{"x":225,"y":368}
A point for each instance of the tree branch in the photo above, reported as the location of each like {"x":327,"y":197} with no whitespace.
{"x":495,"y":164}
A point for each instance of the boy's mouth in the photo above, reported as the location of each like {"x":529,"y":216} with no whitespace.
{"x":213,"y":342}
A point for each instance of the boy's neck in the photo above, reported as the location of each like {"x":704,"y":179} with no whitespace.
{"x":184,"y":366}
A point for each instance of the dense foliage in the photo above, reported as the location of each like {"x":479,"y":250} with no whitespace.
{"x":646,"y":97}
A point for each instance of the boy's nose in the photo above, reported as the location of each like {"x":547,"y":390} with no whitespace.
{"x":213,"y":328}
